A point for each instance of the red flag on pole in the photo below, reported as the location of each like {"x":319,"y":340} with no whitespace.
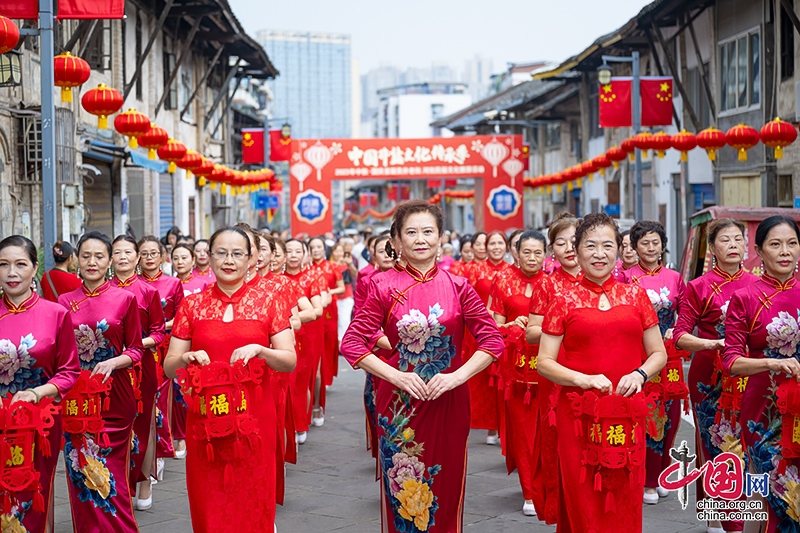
{"x":280,"y":147}
{"x":67,"y":9}
{"x":252,"y":145}
{"x":615,"y":103}
{"x":656,"y":101}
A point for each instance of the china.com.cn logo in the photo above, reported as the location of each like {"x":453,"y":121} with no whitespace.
{"x":723,"y":476}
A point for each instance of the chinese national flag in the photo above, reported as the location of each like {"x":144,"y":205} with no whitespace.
{"x":252,"y":146}
{"x":391,"y":192}
{"x":65,"y":9}
{"x":615,"y":103}
{"x":280,"y":147}
{"x":656,"y":101}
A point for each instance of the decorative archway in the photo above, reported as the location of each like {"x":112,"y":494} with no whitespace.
{"x":496,"y":160}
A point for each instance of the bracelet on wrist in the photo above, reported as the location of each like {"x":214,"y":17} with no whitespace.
{"x":38,"y":398}
{"x":643,"y":374}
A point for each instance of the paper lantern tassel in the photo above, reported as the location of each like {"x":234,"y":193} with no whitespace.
{"x":151,"y":154}
{"x":742,"y":154}
{"x":133,"y":143}
{"x":66,"y":94}
{"x":172,"y":167}
{"x":102,"y":122}
{"x":779,"y":152}
{"x":202,"y":181}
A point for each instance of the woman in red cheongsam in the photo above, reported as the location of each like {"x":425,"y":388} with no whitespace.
{"x":511,"y":296}
{"x":230,"y":489}
{"x":545,"y":464}
{"x":604,"y":326}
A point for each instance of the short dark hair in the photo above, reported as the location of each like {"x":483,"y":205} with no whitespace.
{"x":412,"y":207}
{"x":514,"y":234}
{"x":463,"y":241}
{"x":531,"y":234}
{"x":768,"y":224}
{"x":128,"y":239}
{"x":562,"y":221}
{"x":269,"y":239}
{"x":231,"y":229}
{"x":279,"y":244}
{"x":476,"y":236}
{"x":62,"y":251}
{"x":97,"y":236}
{"x":248,"y":229}
{"x":719,"y":224}
{"x":594,"y":220}
{"x":18,"y":241}
{"x":643,"y":227}
{"x":185,"y":246}
{"x":153,"y":239}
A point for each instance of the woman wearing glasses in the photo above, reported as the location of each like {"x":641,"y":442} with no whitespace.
{"x":234,"y":321}
{"x":109,"y":337}
{"x":171,"y":292}
{"x":124,"y":257}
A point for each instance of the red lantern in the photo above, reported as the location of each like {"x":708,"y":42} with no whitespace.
{"x":153,"y":139}
{"x":588,"y":168}
{"x":82,"y":410}
{"x":172,"y":152}
{"x":777,"y":134}
{"x":190,"y":162}
{"x":9,"y":35}
{"x":643,"y":141}
{"x":742,"y":137}
{"x":69,"y":71}
{"x":132,"y":124}
{"x":601,"y":163}
{"x":684,"y":141}
{"x":628,"y":147}
{"x":220,"y":395}
{"x":23,"y":428}
{"x":101,"y":102}
{"x":616,"y":154}
{"x":660,"y":142}
{"x":204,"y":170}
{"x":711,"y":140}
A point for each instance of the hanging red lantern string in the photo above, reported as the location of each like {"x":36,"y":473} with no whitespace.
{"x":153,"y":139}
{"x":172,"y":152}
{"x":660,"y":142}
{"x":588,"y":168}
{"x":69,"y":71}
{"x":101,"y":102}
{"x":644,"y":142}
{"x":628,"y":147}
{"x":684,"y":141}
{"x":616,"y":154}
{"x":777,"y":134}
{"x":191,"y":161}
{"x":711,"y":140}
{"x":601,"y":163}
{"x":742,"y":138}
{"x":9,"y":35}
{"x":132,"y":124}
{"x":205,"y":169}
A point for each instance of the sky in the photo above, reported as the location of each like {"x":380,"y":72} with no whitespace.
{"x":415,"y":33}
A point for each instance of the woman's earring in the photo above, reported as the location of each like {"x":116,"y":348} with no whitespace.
{"x":399,"y":254}
{"x":139,"y":270}
{"x":713,"y":261}
{"x":439,"y":255}
{"x":247,"y":276}
{"x":763,"y":270}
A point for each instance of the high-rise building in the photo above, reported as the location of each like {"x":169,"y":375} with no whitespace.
{"x":313,"y":91}
{"x":477,"y":75}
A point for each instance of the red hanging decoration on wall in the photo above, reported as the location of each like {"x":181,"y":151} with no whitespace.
{"x":69,"y":71}
{"x":132,"y":124}
{"x":711,"y":140}
{"x":742,"y":138}
{"x":778,"y":134}
{"x":9,"y":35}
{"x":102,"y":101}
{"x":683,"y":141}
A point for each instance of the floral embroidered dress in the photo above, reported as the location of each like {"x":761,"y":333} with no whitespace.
{"x":704,"y":307}
{"x":762,"y":321}
{"x":485,"y":412}
{"x":546,"y":480}
{"x":230,"y":493}
{"x":151,"y":318}
{"x":107,"y":325}
{"x":518,"y":373}
{"x":330,"y":321}
{"x":37,"y":346}
{"x":599,"y":499}
{"x":170,"y":290}
{"x":194,"y":284}
{"x":665,"y":288}
{"x":423,"y":444}
{"x":308,"y":340}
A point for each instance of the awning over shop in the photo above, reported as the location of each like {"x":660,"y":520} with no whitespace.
{"x":140,"y":159}
{"x":104,"y":151}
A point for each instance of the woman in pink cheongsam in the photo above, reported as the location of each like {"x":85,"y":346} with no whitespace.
{"x":40,"y":357}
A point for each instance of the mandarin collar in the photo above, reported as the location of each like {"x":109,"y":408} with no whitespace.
{"x":398,"y":267}
{"x":498,"y":266}
{"x":235,"y":297}
{"x":24,"y":306}
{"x":98,"y":291}
{"x":728,"y":277}
{"x":154,"y":278}
{"x":777,"y":284}
{"x":647,"y":271}
{"x":127,"y":283}
{"x":598,"y":288}
{"x":187,"y":280}
{"x":523,"y":276}
{"x":419,"y":276}
{"x":567,"y":276}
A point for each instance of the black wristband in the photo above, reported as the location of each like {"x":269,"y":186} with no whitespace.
{"x":643,"y":374}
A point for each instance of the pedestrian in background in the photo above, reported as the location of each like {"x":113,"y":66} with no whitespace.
{"x":60,"y":279}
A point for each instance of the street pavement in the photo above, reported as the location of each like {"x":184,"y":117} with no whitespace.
{"x":333,"y":488}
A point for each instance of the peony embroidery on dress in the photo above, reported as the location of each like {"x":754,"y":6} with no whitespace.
{"x":93,"y":347}
{"x":406,"y":479}
{"x":17,"y":370}
{"x":94,"y":480}
{"x":422,"y":345}
{"x":12,"y":522}
{"x":720,"y":326}
{"x":783,"y":336}
{"x":663,"y":308}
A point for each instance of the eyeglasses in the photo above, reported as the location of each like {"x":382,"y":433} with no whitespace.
{"x":221,"y":255}
{"x":150,"y":255}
